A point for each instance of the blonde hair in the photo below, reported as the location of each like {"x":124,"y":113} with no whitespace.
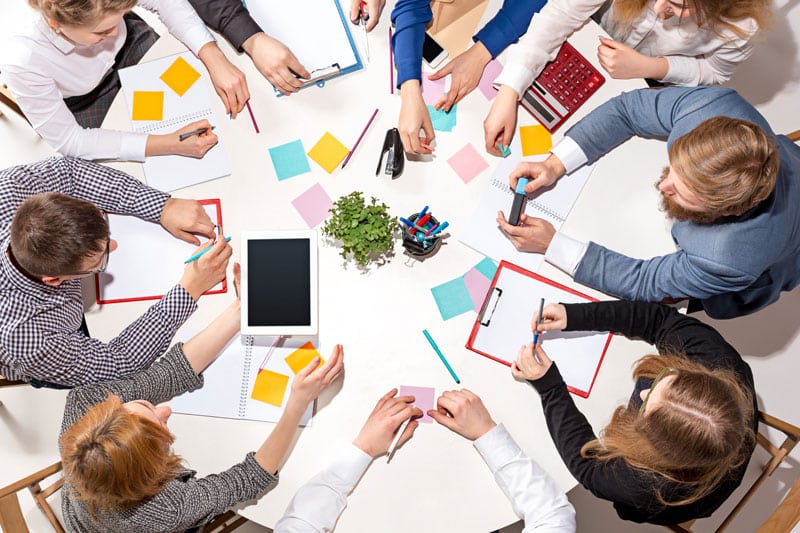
{"x":715,"y":15}
{"x":700,"y":431}
{"x":731,"y":164}
{"x":79,"y":12}
{"x":115,"y":459}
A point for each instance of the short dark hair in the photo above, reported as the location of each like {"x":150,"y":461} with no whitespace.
{"x":52,"y":233}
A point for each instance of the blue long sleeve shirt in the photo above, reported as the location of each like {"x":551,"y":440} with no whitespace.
{"x":410,"y":17}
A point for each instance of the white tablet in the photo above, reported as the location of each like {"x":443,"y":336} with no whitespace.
{"x":279,"y":282}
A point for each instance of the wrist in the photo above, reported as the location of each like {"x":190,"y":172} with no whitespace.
{"x":555,"y":165}
{"x":411,"y":89}
{"x":658,"y":68}
{"x":210,"y":53}
{"x":252,"y":42}
{"x":480,"y":52}
{"x":484,"y":429}
{"x":364,"y":445}
{"x":507,"y":92}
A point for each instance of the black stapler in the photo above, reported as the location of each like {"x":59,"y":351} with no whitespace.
{"x":393,"y":148}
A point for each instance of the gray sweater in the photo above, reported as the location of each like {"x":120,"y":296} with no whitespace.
{"x":186,"y":501}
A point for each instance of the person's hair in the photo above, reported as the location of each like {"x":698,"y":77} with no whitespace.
{"x":115,"y":459}
{"x":714,"y":15}
{"x":52,"y":234}
{"x":79,"y":12}
{"x":731,"y":164}
{"x":695,"y":437}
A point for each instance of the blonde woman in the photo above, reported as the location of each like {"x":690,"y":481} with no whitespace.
{"x":681,"y":445}
{"x":62,"y":65}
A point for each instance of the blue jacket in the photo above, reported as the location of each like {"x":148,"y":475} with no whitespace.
{"x":736,"y":265}
{"x":410,"y":17}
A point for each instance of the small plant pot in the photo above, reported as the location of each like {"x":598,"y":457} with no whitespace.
{"x":418,"y":248}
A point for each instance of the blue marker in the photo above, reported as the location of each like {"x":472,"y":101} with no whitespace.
{"x":422,"y":213}
{"x":197,"y":256}
{"x":438,"y":230}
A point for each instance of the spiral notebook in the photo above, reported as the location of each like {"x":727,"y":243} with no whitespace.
{"x":230,"y":379}
{"x":184,"y":98}
{"x":554,"y":204}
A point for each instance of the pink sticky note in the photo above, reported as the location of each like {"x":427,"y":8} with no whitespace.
{"x":477,"y":285}
{"x":313,"y":205}
{"x":490,"y":73}
{"x":467,"y":163}
{"x":424,"y":398}
{"x":432,"y":90}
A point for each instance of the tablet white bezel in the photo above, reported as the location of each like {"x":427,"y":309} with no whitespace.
{"x":311,"y":236}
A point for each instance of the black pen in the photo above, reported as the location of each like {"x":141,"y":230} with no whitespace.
{"x":198,"y":131}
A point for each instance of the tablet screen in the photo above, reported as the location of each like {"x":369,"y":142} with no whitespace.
{"x":279,"y":282}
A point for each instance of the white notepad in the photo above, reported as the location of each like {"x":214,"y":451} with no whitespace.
{"x":171,"y":172}
{"x":484,"y":235}
{"x":230,"y":378}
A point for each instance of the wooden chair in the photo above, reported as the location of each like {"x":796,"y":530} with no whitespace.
{"x":8,"y":99}
{"x":794,"y":136}
{"x":787,"y":514}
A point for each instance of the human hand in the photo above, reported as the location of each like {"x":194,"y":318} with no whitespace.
{"x":207,"y":270}
{"x":229,"y":81}
{"x":530,"y":367}
{"x":313,"y":379}
{"x":531,"y":235}
{"x":276,"y":62}
{"x":500,"y":123}
{"x":539,"y":174}
{"x":194,"y":146}
{"x":379,"y":430}
{"x":623,"y":62}
{"x":554,"y":318}
{"x":374,"y":10}
{"x":466,"y":70}
{"x":237,"y":280}
{"x":413,"y":117}
{"x":183,"y":218}
{"x":463,"y":412}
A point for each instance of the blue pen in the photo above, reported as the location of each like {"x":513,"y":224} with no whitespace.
{"x":422,"y":213}
{"x":438,"y":230}
{"x":538,"y":323}
{"x":441,"y":355}
{"x":197,"y":256}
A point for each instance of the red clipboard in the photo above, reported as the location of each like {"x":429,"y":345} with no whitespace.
{"x":503,"y":325}
{"x":150,"y":251}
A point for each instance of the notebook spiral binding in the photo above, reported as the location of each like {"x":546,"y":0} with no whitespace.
{"x":503,"y":186}
{"x":175,"y":122}
{"x":244,"y":391}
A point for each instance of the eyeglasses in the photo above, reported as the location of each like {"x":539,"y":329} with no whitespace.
{"x":664,"y":371}
{"x":104,"y":262}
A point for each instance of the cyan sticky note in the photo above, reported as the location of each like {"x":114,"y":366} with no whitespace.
{"x":452,"y":298}
{"x":443,"y":121}
{"x":486,"y":267}
{"x":289,"y":159}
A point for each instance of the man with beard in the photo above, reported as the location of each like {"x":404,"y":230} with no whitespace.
{"x":732,"y":189}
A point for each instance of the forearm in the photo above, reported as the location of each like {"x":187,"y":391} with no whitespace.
{"x":273,"y":451}
{"x":507,"y":25}
{"x":182,"y":21}
{"x":230,"y":18}
{"x":409,"y":18}
{"x":202,"y":349}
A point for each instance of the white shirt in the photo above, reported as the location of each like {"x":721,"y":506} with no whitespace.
{"x":41,"y":68}
{"x":534,"y":495}
{"x":696,"y":56}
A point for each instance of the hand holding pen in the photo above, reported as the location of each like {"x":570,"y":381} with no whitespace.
{"x":553,"y":317}
{"x":192,"y":140}
{"x":208,"y":268}
{"x":391,"y":423}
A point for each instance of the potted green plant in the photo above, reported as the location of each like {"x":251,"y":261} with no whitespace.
{"x":366,"y":231}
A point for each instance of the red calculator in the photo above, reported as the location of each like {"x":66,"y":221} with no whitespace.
{"x":562,"y":87}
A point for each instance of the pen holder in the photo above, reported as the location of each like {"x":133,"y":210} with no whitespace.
{"x":412,"y":243}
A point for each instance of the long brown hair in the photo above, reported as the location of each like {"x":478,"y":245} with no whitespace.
{"x":115,"y":459}
{"x":714,"y":15}
{"x":699,"y":433}
{"x":79,"y":12}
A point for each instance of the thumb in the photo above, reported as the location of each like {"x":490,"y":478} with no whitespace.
{"x":542,"y":355}
{"x":441,"y":418}
{"x":442,"y":72}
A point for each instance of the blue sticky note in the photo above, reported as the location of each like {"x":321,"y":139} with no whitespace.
{"x":443,"y":121}
{"x":452,"y":298}
{"x":486,"y":267}
{"x":289,"y":159}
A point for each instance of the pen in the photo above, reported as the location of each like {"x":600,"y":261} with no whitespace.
{"x":358,"y":141}
{"x":538,"y":323}
{"x":252,"y":116}
{"x":431,"y":230}
{"x":441,"y":355}
{"x":396,"y":439}
{"x":422,"y":213}
{"x":198,"y":131}
{"x":196,"y":256}
{"x":412,"y":226}
{"x":438,"y":229}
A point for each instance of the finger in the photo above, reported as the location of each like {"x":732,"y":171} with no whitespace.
{"x":542,"y":355}
{"x":411,"y":143}
{"x":355,"y":11}
{"x":442,"y":419}
{"x":448,"y":100}
{"x":516,"y":372}
{"x":427,"y":127}
{"x":308,"y":369}
{"x":188,"y":237}
{"x":294,"y":64}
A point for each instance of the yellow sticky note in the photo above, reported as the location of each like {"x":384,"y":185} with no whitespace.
{"x":148,"y":105}
{"x":535,"y":140}
{"x":299,"y":359}
{"x":270,"y":387}
{"x":328,"y":152}
{"x":180,"y":76}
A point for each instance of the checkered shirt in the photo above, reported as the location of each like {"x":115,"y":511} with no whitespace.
{"x":39,"y":335}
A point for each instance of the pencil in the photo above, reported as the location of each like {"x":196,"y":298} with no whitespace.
{"x":252,"y":116}
{"x":396,"y":439}
{"x":369,"y":123}
{"x":391,"y":64}
{"x":441,"y":355}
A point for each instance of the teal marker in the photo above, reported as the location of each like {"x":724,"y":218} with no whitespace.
{"x":197,"y":256}
{"x":441,"y":355}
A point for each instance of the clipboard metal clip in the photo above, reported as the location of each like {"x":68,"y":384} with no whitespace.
{"x":393,"y":148}
{"x":490,"y":303}
{"x":319,"y":75}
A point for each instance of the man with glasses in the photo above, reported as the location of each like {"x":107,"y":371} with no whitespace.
{"x":53,"y":232}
